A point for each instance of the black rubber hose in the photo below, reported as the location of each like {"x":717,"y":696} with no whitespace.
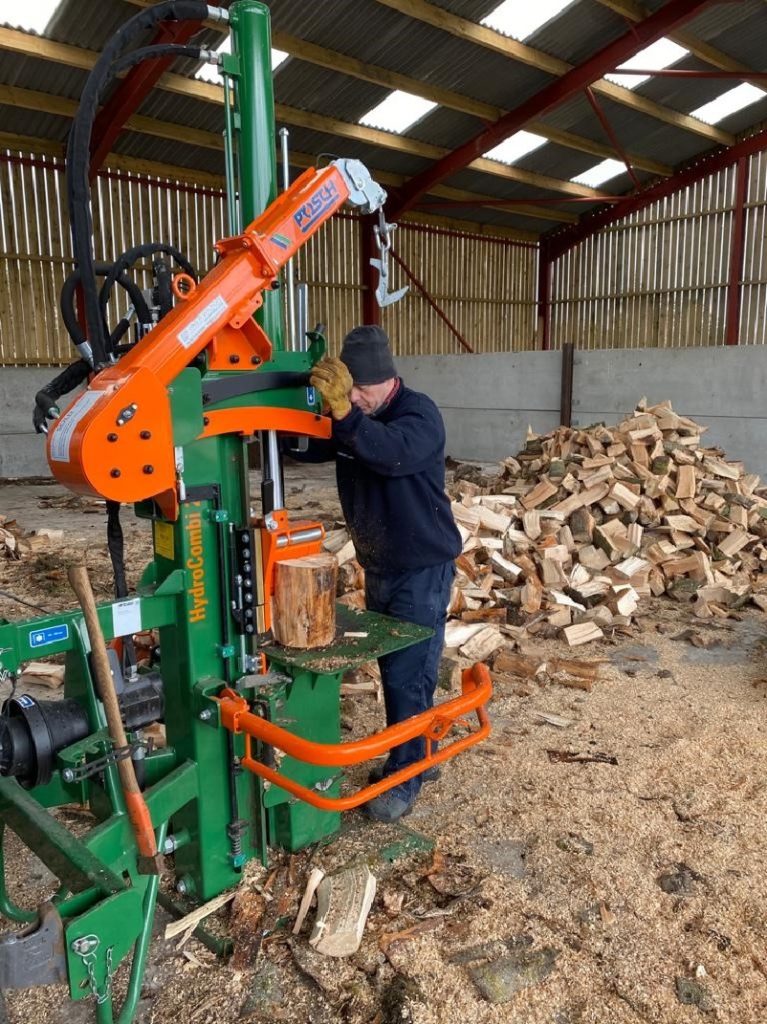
{"x":126,"y":260}
{"x":46,"y":398}
{"x":78,"y":151}
{"x":163,"y":285}
{"x":155,"y":53}
{"x":67,"y":300}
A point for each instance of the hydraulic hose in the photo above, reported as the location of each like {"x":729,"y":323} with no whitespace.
{"x":125,"y":261}
{"x":78,"y":150}
{"x":67,"y":299}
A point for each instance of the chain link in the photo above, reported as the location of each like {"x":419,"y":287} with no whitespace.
{"x":88,"y":957}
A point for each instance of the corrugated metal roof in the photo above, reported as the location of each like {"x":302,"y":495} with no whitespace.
{"x":381,"y":37}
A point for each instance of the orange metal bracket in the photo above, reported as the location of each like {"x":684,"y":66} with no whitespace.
{"x":264,"y":417}
{"x":284,"y":541}
{"x":434,"y":725}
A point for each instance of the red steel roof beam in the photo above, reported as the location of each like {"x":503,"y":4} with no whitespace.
{"x":607,"y":59}
{"x":134,"y":89}
{"x":562,"y":239}
{"x":596,"y":106}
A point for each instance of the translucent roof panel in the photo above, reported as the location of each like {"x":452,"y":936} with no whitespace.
{"x":601,"y":172}
{"x":397,"y":112}
{"x":520,"y":18}
{"x":515,"y":147}
{"x":728,"y":103}
{"x":32,"y":16}
{"x":660,"y":54}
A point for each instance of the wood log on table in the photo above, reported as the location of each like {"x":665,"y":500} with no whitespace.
{"x":303,"y":606}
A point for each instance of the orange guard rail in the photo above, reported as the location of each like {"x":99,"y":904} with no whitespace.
{"x":433,"y":725}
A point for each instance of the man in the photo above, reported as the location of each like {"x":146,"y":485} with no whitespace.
{"x":389,"y":445}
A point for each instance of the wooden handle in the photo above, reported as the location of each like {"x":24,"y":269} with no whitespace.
{"x":135,"y":804}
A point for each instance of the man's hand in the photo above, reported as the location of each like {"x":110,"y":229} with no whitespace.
{"x":334,"y":383}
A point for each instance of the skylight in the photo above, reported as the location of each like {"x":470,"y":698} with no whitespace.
{"x":515,"y":147}
{"x":29,"y":17}
{"x":660,"y":54}
{"x":728,"y":103}
{"x":397,"y":112}
{"x":600,"y":172}
{"x":209,"y":72}
{"x":520,"y":19}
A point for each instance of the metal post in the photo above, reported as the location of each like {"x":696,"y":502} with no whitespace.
{"x":566,"y":392}
{"x":293,"y":342}
{"x":232,"y":197}
{"x":544,"y":298}
{"x":256,"y":157}
{"x":371,"y":311}
{"x":254,"y":98}
{"x":734,"y":286}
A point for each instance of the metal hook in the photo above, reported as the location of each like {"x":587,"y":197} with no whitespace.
{"x":382,"y":234}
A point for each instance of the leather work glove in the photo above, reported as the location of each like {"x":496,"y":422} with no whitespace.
{"x":334,"y":383}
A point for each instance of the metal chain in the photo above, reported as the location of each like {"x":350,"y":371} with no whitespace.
{"x":89,"y":945}
{"x":84,"y":771}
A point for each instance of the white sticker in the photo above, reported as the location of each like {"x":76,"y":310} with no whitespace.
{"x":65,"y":428}
{"x":202,"y":321}
{"x":126,"y":617}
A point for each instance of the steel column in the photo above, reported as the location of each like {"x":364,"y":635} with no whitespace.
{"x":371,"y":311}
{"x":737,"y":251}
{"x":544,"y":297}
{"x":607,"y":59}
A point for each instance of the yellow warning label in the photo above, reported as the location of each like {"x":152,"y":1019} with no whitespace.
{"x":163,"y":540}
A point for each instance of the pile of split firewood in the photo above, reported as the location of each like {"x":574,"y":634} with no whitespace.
{"x":583,"y":524}
{"x":15,"y":543}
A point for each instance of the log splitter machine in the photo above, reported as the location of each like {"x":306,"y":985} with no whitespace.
{"x":253,"y":757}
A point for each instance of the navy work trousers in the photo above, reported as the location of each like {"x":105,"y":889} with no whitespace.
{"x":410,"y":676}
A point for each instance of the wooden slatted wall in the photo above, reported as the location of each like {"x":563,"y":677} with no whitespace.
{"x":658,"y":279}
{"x":484,"y":286}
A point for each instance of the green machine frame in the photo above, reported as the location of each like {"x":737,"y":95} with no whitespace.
{"x":208,"y":812}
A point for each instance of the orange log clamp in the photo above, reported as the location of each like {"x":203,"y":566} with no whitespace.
{"x":434,"y":725}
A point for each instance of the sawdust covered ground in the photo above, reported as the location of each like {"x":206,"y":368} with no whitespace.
{"x":549,"y":867}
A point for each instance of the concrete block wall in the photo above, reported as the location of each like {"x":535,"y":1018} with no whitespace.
{"x":22,"y":451}
{"x":489,"y":400}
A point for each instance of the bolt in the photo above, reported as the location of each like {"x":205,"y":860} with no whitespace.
{"x":169,"y":845}
{"x":205,"y":715}
{"x":114,"y":472}
{"x":111,"y":437}
{"x":145,"y":435}
{"x":148,"y":470}
{"x":205,"y":420}
{"x":182,"y":887}
{"x":84,"y":945}
{"x":68,"y":775}
{"x":255,"y":360}
{"x":234,"y":359}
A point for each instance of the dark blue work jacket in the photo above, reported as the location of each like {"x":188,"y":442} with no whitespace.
{"x":390,"y":469}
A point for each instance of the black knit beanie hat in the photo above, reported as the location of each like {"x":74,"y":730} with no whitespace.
{"x":367,"y":355}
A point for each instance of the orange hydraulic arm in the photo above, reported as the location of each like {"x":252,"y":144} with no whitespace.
{"x":116,"y":439}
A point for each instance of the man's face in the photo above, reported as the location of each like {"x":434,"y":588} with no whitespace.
{"x":370,"y":397}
